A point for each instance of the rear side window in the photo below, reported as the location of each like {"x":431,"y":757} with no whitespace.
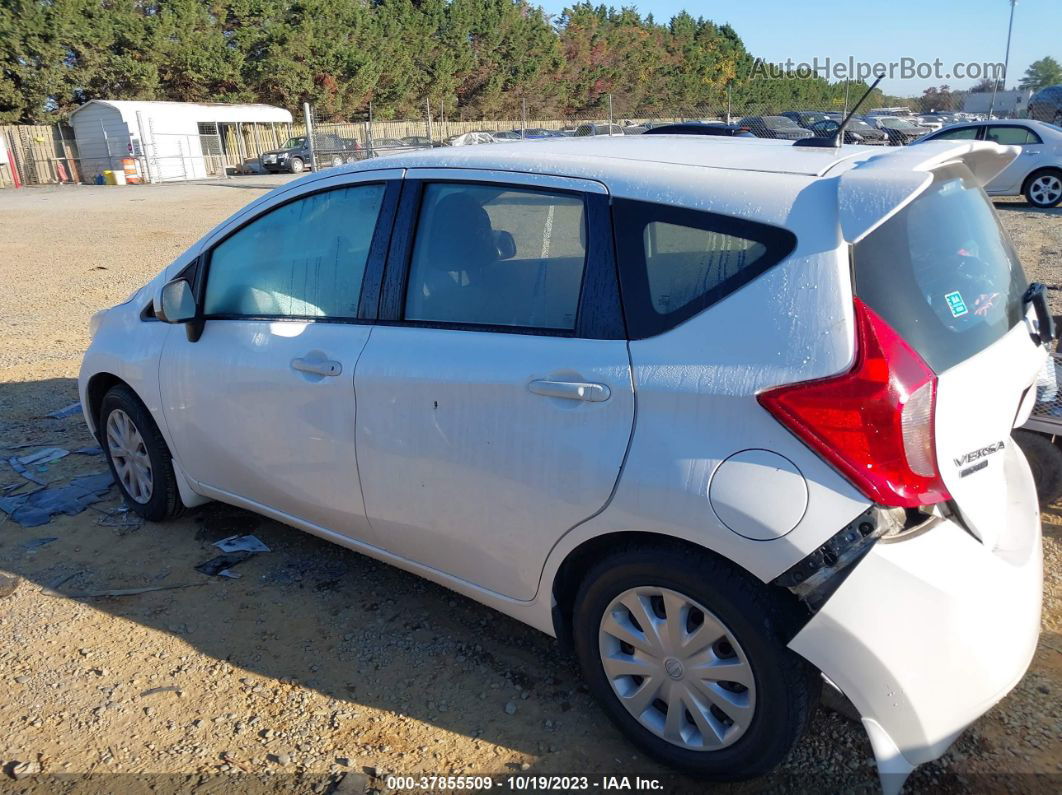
{"x":676,"y":262}
{"x":491,"y":255}
{"x":942,"y":272}
{"x":1012,"y":136}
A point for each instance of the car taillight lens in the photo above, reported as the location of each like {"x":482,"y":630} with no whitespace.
{"x":875,"y":422}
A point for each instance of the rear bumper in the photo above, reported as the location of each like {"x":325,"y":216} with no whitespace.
{"x":928,"y":633}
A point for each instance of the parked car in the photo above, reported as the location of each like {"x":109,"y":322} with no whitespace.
{"x":470,"y":138}
{"x":900,"y":131}
{"x":507,"y":135}
{"x":419,"y":141}
{"x":819,"y":488}
{"x":701,"y":128}
{"x":1046,"y":105}
{"x":584,"y":130}
{"x":857,"y":132}
{"x":805,"y":118}
{"x":391,"y":146}
{"x":535,"y":133}
{"x":931,"y":121}
{"x":294,"y":156}
{"x":774,"y":127}
{"x":1036,"y":174}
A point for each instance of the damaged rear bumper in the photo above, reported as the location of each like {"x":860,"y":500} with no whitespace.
{"x":929,"y":632}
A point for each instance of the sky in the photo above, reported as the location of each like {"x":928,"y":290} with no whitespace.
{"x":886,"y":31}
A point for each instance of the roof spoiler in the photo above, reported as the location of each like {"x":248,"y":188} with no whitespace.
{"x":871,"y":192}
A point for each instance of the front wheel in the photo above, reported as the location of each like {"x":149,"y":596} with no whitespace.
{"x":138,"y":456}
{"x":686,"y":655}
{"x":1044,"y":188}
{"x":295,"y":165}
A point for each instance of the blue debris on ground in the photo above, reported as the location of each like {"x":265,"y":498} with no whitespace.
{"x":66,"y":411}
{"x":38,"y":507}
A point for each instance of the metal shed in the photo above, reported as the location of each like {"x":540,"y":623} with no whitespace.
{"x":171,"y":141}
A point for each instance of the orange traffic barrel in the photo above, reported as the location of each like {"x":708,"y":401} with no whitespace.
{"x":132,"y":170}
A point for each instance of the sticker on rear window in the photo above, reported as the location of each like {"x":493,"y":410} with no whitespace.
{"x":956,"y":304}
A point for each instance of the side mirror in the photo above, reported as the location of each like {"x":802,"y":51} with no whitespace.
{"x":505,"y":244}
{"x":176,"y":302}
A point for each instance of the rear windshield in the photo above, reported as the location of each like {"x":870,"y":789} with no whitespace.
{"x":942,"y":272}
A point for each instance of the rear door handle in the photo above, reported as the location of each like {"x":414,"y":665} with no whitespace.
{"x":571,"y":390}
{"x":317,"y":366}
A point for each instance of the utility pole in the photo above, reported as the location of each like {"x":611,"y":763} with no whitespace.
{"x":1006,"y":62}
{"x":308,"y":118}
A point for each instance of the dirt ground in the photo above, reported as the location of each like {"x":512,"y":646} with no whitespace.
{"x":318,"y":663}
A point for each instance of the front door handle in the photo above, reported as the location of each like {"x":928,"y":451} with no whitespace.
{"x":571,"y":390}
{"x":317,"y":366}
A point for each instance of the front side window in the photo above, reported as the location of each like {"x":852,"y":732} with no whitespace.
{"x":1012,"y":136}
{"x":303,"y":259}
{"x":497,"y":256}
{"x":675,"y":262}
{"x":961,"y":134}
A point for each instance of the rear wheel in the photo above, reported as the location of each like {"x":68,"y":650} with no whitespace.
{"x":1045,"y":461}
{"x":686,"y":655}
{"x":337,"y":161}
{"x":1044,"y":188}
{"x":138,"y":456}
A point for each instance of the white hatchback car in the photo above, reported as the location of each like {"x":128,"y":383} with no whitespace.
{"x":1035,"y":174}
{"x":731,"y":417}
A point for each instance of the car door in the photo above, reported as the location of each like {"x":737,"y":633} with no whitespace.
{"x":1032,"y":157}
{"x":495,"y":395}
{"x":262,"y":404}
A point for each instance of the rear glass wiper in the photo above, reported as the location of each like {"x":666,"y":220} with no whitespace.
{"x":1037,"y":296}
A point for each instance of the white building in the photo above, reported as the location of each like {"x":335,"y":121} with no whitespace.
{"x":1008,"y":105}
{"x":170,"y":140}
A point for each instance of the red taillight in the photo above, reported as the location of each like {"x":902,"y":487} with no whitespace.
{"x":875,"y":422}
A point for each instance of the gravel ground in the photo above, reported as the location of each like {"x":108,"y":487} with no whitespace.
{"x":319,"y":663}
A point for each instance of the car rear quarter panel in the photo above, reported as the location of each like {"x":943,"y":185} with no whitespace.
{"x":696,"y":403}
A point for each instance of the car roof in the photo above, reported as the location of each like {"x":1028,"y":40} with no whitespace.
{"x":619,"y":152}
{"x":760,"y":179}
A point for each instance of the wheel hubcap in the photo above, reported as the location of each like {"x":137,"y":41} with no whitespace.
{"x":1046,"y":189}
{"x":677,"y":668}
{"x":130,"y":456}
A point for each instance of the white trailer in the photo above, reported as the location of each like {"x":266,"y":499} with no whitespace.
{"x":171,"y":141}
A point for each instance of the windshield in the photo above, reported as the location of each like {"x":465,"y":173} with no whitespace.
{"x":294,"y":143}
{"x":856,"y":124}
{"x":779,"y":121}
{"x":942,"y":272}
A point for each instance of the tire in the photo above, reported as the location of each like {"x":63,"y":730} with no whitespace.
{"x":145,"y":446}
{"x":1043,"y":188}
{"x":770,"y":716}
{"x":295,"y":165}
{"x":1045,"y":460}
{"x":336,"y":161}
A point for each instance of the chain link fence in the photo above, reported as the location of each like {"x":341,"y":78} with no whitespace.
{"x":49,"y":154}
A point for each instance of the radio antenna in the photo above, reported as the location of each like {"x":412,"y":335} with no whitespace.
{"x":835,"y":140}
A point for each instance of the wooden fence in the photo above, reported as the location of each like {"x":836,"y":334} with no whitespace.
{"x":39,"y":154}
